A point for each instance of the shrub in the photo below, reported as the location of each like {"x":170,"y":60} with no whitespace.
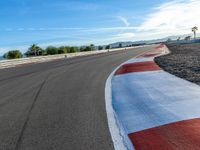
{"x":100,"y":47}
{"x":51,"y":50}
{"x":92,"y":46}
{"x":82,"y":49}
{"x":13,"y":54}
{"x":5,"y":55}
{"x":88,"y":48}
{"x":108,"y":47}
{"x":72,"y":50}
{"x":62,"y":50}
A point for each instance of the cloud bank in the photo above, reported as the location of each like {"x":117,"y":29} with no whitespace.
{"x":176,"y":17}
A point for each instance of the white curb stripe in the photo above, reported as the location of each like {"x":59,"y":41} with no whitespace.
{"x":149,"y":99}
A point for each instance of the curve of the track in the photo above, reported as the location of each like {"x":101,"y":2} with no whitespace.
{"x":58,"y":105}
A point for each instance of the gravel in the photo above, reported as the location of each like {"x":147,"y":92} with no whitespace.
{"x":183,"y":61}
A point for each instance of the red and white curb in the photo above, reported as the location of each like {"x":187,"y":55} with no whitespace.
{"x":151,"y":109}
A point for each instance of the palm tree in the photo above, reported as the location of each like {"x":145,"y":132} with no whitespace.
{"x":187,"y":38}
{"x":194,"y":30}
{"x":35,"y":49}
{"x":179,"y":38}
{"x":92,"y":47}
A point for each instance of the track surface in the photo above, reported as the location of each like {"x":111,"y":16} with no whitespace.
{"x":58,"y":105}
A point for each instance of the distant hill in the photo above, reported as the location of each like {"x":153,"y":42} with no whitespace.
{"x":128,"y":43}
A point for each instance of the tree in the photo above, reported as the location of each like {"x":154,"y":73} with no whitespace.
{"x":92,"y":47}
{"x":43,"y":52}
{"x":187,"y":38}
{"x":88,"y":48}
{"x":120,"y":45}
{"x":51,"y":50}
{"x":108,"y":47}
{"x":62,"y":50}
{"x":100,"y":47}
{"x":13,"y":54}
{"x":34,"y":50}
{"x":169,"y":40}
{"x":72,"y":49}
{"x":194,"y":30}
{"x":82,"y":49}
{"x":5,"y":55}
{"x":179,"y":38}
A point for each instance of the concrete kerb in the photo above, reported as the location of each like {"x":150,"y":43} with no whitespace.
{"x":119,"y":138}
{"x":144,"y":101}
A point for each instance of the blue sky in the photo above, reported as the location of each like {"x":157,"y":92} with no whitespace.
{"x":80,"y":22}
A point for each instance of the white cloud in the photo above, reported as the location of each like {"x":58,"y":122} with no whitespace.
{"x":124,"y":20}
{"x":176,"y":17}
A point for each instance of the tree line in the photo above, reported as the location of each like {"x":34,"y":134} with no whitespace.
{"x":35,"y":50}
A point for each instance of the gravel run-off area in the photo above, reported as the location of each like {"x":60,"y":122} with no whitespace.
{"x":183,"y":61}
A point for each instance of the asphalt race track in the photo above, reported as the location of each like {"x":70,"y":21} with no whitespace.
{"x":58,"y":105}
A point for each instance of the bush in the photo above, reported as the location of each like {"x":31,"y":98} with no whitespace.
{"x":108,"y":47}
{"x":100,"y":47}
{"x":5,"y":55}
{"x":72,"y":50}
{"x":82,"y":49}
{"x":92,"y":47}
{"x":43,"y":52}
{"x":87,"y":48}
{"x":62,"y":50}
{"x":51,"y":50}
{"x":13,"y":54}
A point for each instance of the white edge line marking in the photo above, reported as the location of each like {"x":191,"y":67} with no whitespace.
{"x":115,"y":129}
{"x":119,"y":138}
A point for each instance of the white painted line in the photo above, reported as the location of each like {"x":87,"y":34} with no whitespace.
{"x":116,"y":131}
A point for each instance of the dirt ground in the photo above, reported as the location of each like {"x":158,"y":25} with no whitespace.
{"x":183,"y":61}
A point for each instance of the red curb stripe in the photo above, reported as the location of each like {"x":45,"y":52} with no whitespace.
{"x":175,"y":136}
{"x":137,"y":67}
